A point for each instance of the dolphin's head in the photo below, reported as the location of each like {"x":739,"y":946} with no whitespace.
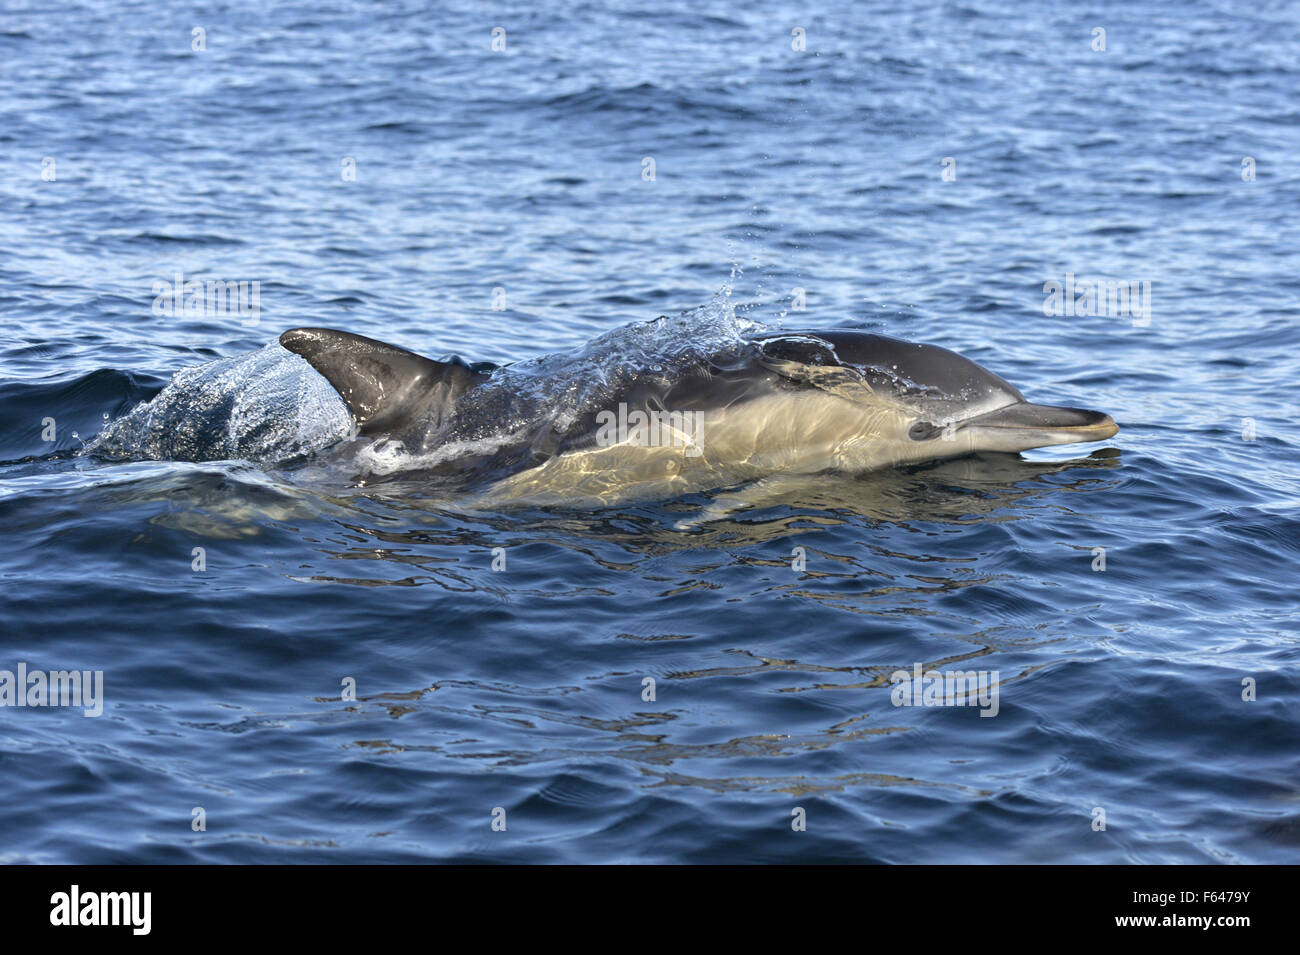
{"x":928,"y":402}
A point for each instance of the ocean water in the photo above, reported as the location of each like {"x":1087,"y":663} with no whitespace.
{"x":920,"y":170}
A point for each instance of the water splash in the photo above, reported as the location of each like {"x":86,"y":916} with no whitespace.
{"x":268,"y":406}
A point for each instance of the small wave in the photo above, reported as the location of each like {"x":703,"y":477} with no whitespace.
{"x":53,"y":417}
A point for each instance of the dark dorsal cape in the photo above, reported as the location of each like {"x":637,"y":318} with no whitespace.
{"x":387,"y":389}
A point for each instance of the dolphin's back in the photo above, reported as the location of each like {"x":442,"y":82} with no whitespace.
{"x":898,"y":365}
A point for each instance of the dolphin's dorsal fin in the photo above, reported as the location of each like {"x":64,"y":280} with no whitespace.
{"x":380,"y":383}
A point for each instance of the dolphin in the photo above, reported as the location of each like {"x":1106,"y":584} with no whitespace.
{"x":773,"y":403}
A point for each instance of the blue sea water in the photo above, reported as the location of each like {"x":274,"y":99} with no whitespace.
{"x":381,"y":168}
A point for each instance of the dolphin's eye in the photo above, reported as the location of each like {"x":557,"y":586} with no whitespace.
{"x":923,"y":431}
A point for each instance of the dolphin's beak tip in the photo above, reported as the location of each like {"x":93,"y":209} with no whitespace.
{"x":1102,"y":426}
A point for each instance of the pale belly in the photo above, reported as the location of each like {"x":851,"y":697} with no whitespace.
{"x":777,"y":434}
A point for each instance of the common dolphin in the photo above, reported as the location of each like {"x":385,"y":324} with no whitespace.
{"x":774,"y":403}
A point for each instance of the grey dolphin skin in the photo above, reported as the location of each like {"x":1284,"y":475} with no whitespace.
{"x":781,"y":403}
{"x":387,"y":389}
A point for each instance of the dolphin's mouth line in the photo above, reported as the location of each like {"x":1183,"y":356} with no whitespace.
{"x":1107,"y":426}
{"x":1027,"y":419}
